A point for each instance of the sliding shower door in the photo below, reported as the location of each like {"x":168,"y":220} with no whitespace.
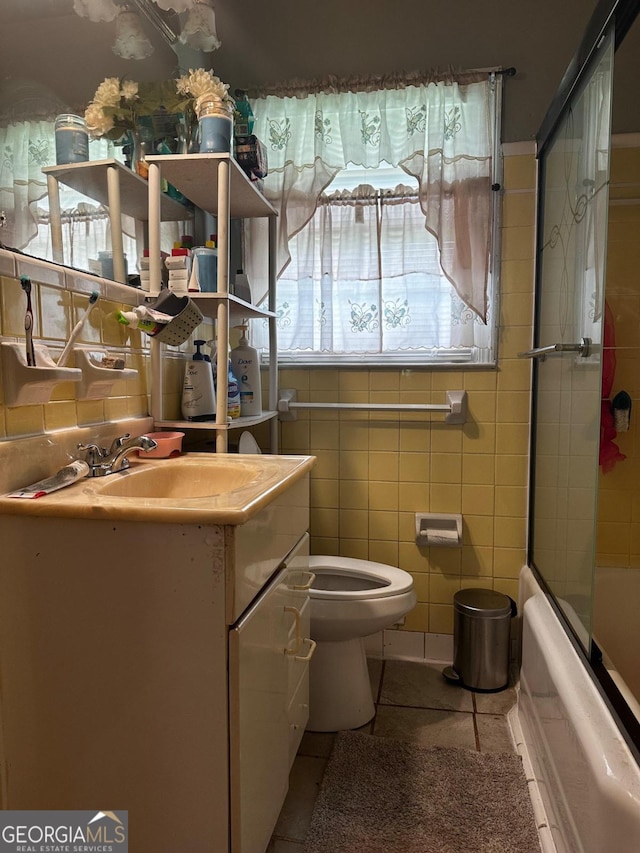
{"x":571,"y":250}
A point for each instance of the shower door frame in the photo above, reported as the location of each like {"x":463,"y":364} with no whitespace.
{"x":616,"y":16}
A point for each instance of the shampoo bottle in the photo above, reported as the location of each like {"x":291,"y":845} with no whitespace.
{"x":198,"y":395}
{"x":246,"y":367}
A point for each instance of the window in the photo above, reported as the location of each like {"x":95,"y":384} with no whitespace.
{"x":383,"y":249}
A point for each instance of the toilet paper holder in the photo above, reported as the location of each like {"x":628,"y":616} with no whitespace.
{"x":443,"y":530}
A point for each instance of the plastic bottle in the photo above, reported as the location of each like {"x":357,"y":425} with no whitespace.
{"x":244,"y":118}
{"x":204,"y":268}
{"x":246,"y":367}
{"x":233,"y":394}
{"x":198,"y":395}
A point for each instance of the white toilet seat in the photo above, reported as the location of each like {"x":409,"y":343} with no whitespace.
{"x":379,"y":580}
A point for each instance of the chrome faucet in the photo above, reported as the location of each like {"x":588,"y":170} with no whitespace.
{"x":102,"y":461}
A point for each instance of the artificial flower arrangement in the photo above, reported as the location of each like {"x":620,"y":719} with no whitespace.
{"x":200,"y":86}
{"x":118,"y":105}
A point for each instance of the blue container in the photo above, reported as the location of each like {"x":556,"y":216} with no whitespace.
{"x":215,"y":134}
{"x":72,"y":139}
{"x":106,"y":265}
{"x":207,"y":268}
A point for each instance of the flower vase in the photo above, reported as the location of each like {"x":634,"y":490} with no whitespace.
{"x":215,"y":126}
{"x":135,"y":151}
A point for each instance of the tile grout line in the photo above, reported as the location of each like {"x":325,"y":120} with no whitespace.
{"x":476,"y":732}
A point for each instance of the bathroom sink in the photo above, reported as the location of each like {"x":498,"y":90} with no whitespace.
{"x":181,"y":478}
{"x":194,"y":488}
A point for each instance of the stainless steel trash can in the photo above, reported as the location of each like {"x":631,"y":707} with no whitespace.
{"x":481,"y":632}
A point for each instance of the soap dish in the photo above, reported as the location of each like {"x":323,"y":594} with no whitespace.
{"x":169,"y":444}
{"x":97,"y":380}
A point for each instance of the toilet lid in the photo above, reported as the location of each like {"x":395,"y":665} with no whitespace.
{"x":377,"y":579}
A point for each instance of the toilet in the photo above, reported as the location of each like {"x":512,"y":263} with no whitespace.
{"x":350,"y":599}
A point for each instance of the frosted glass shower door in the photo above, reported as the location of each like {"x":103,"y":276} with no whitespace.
{"x":572,"y":226}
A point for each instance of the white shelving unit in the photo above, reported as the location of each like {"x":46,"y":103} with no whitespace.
{"x":216,"y":184}
{"x":117,"y":187}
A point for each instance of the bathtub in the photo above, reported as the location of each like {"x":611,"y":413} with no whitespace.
{"x":587,"y":778}
{"x":616,"y":628}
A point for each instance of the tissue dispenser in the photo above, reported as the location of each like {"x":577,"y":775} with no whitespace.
{"x":438,"y":529}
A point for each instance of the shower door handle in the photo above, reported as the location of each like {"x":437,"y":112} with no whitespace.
{"x":583,"y":348}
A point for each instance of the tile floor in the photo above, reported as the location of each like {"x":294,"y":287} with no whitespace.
{"x":413,"y":703}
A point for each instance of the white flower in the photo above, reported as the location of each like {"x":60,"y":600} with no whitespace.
{"x":108,"y":92}
{"x":129,"y":90}
{"x":200,"y":83}
{"x":98,"y":123}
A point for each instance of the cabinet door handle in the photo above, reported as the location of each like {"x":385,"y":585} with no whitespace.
{"x":297,"y":617}
{"x":309,"y":654}
{"x":306,"y":585}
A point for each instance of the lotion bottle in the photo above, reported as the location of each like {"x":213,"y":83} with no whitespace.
{"x":198,"y":395}
{"x":246,"y":368}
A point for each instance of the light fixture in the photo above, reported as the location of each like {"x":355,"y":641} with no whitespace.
{"x":175,"y":5}
{"x":131,"y":41}
{"x":199,"y":30}
{"x":96,"y":10}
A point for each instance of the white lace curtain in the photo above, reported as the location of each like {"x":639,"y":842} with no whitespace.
{"x":439,"y":131}
{"x":365,"y":279}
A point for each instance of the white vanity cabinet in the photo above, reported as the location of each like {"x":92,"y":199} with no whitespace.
{"x":156,"y":667}
{"x":268,"y":699}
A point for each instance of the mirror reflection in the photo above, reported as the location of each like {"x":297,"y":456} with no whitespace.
{"x":64,"y":217}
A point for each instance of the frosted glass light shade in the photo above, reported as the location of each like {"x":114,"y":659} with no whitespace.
{"x":96,"y":10}
{"x":175,"y":5}
{"x":199,"y":30}
{"x":131,"y":41}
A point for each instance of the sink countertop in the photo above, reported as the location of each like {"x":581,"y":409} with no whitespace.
{"x":84,"y":499}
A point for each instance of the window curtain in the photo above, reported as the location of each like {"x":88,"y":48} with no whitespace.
{"x":438,"y":130}
{"x":26,"y":147}
{"x":365,"y":278}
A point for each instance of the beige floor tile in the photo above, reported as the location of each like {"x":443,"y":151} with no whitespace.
{"x":281,"y":845}
{"x":419,"y":685}
{"x":495,"y":703}
{"x":493,"y":733}
{"x":316,"y":744}
{"x":375,"y":675}
{"x":427,"y":727}
{"x":304,"y":784}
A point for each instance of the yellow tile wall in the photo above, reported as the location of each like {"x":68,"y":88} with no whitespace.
{"x":618,"y":530}
{"x":56,"y":311}
{"x":374,"y":472}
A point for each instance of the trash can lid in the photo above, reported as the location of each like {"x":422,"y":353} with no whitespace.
{"x":482,"y":602}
